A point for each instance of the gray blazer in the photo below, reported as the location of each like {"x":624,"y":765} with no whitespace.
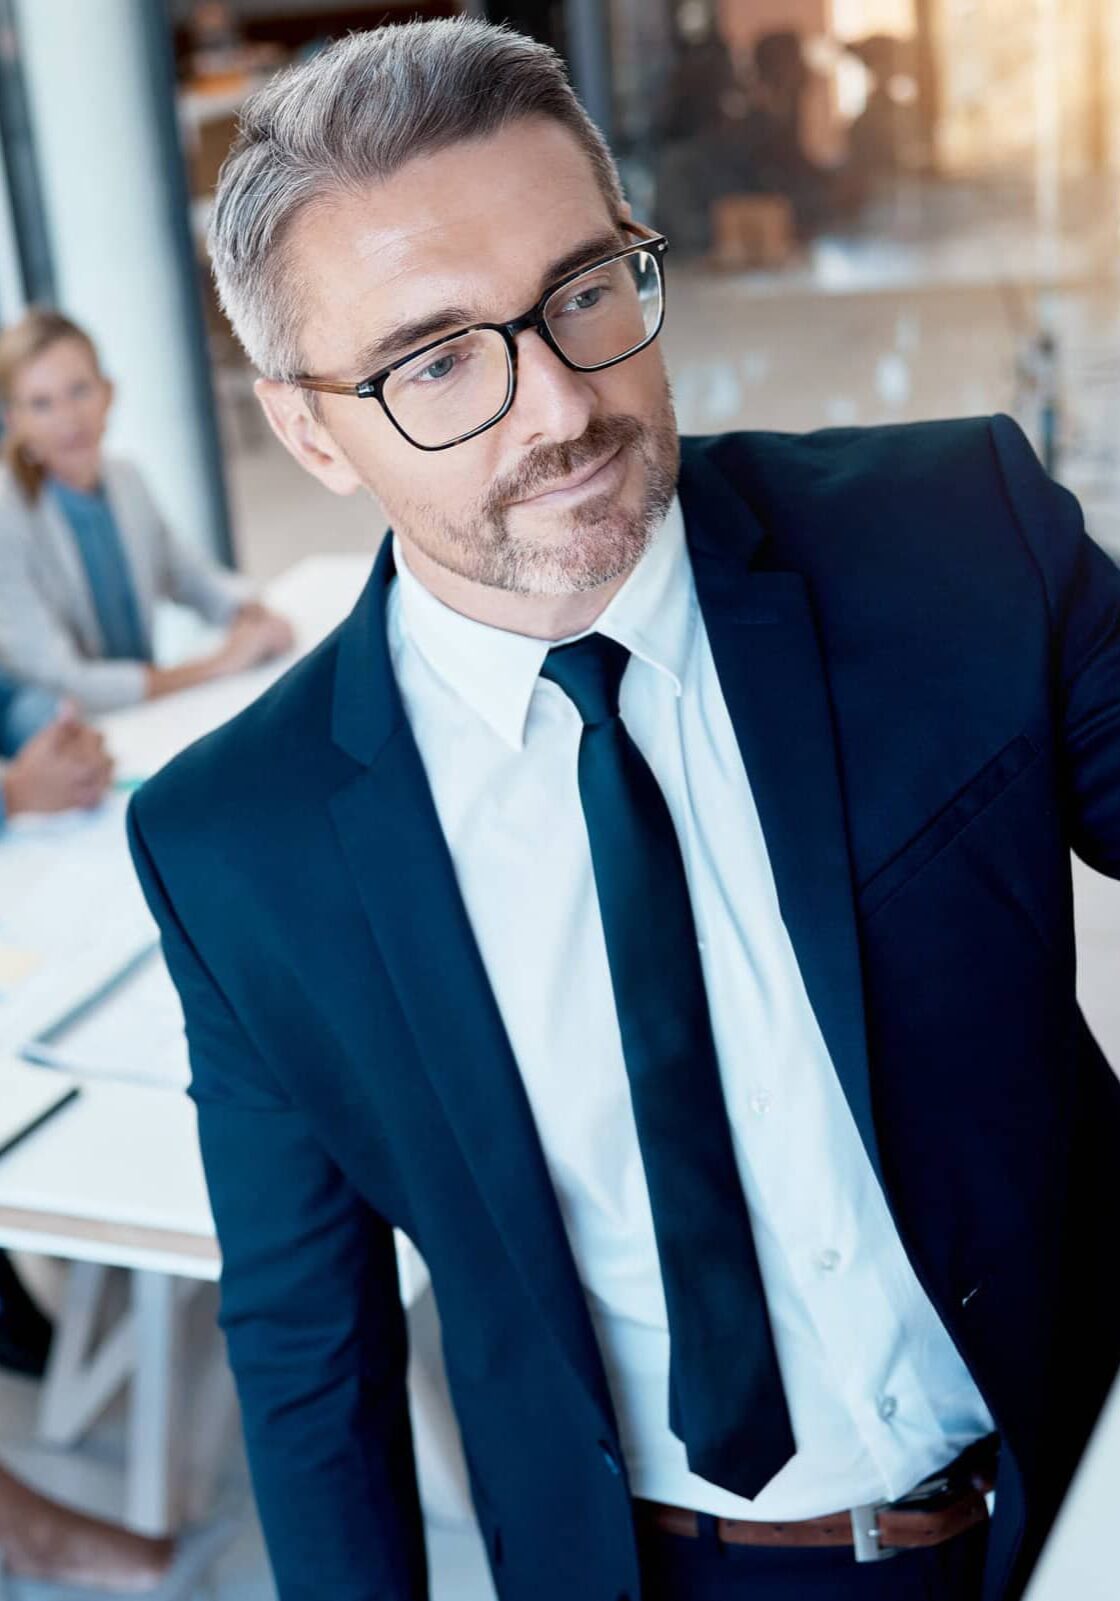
{"x":49,"y":633}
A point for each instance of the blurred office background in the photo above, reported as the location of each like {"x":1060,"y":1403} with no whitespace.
{"x":879,"y":211}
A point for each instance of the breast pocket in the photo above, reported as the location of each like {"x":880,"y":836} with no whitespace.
{"x":967,"y":805}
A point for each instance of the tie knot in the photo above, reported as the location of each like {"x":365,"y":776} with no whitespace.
{"x":590,"y":674}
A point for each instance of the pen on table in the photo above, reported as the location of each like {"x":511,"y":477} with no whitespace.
{"x":37,"y":1122}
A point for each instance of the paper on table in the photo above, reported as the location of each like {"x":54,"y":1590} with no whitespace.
{"x":71,"y":907}
{"x":134,"y":1032}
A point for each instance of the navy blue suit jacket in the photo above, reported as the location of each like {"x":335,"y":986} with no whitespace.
{"x":920,"y":651}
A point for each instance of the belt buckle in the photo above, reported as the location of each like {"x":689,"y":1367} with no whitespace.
{"x":866,"y":1536}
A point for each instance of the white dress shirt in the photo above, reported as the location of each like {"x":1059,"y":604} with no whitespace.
{"x":878,"y":1395}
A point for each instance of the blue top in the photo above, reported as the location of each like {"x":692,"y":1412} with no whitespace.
{"x":99,"y":544}
{"x":23,"y":712}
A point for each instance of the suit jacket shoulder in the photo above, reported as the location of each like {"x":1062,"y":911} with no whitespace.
{"x":967,"y":481}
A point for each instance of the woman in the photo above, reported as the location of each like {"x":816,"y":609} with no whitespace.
{"x":84,"y":553}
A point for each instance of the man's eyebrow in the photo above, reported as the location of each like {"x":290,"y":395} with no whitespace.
{"x":582,"y":255}
{"x":417,"y":331}
{"x":408,"y":336}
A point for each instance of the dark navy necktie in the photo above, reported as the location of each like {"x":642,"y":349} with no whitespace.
{"x":726,"y":1401}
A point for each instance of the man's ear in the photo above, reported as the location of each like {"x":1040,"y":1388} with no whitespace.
{"x":304,"y":436}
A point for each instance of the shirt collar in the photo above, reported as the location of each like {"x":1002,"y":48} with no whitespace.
{"x":496,"y":672}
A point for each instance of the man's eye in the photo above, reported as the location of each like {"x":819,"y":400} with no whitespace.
{"x":435,"y":370}
{"x":586,"y":299}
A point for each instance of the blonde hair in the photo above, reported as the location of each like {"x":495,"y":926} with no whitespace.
{"x":22,"y":342}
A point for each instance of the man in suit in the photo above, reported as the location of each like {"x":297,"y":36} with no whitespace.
{"x":664,"y":917}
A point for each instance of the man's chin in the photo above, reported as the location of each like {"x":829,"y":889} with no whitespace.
{"x":572,"y":553}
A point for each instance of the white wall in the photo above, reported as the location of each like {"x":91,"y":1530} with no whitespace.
{"x":11,"y":286}
{"x":111,"y":232}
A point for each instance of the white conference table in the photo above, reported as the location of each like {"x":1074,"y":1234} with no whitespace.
{"x":115,"y":1179}
{"x":315,"y":595}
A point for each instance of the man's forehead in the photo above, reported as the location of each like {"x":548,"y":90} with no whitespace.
{"x":476,"y":223}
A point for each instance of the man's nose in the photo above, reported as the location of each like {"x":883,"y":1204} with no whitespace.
{"x":553,"y":404}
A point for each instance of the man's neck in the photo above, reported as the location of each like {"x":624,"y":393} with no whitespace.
{"x":538,"y":616}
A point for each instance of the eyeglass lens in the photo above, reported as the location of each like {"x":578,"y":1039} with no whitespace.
{"x":462,"y":384}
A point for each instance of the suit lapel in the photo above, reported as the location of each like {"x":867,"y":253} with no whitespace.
{"x":387,"y":822}
{"x":764,"y":642}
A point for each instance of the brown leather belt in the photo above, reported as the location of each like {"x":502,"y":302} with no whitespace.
{"x":942,"y":1507}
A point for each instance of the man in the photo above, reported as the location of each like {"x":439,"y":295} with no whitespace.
{"x":664,"y":917}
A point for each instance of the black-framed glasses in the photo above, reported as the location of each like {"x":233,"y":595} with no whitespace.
{"x":463,"y":383}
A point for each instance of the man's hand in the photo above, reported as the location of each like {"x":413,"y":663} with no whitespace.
{"x":64,"y":766}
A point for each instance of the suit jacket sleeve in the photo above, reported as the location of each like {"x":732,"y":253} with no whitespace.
{"x":1082,"y":588}
{"x":310,"y":1309}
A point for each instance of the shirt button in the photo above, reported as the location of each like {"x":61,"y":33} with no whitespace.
{"x":759,"y":1103}
{"x":888,"y":1406}
{"x":828,"y":1261}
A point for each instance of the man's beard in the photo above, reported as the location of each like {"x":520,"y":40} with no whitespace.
{"x":606,"y":540}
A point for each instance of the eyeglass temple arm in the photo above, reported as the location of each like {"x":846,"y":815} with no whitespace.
{"x":322,"y":385}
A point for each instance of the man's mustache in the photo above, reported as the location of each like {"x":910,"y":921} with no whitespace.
{"x":550,"y":464}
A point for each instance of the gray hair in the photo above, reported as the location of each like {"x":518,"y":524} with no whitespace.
{"x":351,"y":117}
